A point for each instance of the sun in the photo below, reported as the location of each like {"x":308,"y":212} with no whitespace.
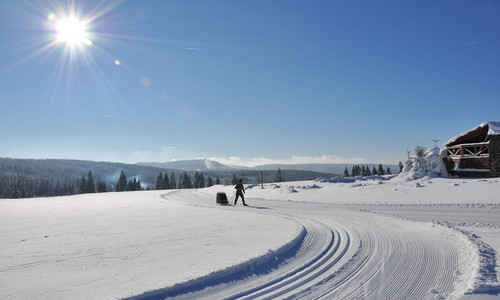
{"x":72,"y":32}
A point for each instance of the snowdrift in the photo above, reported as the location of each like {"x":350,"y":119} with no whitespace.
{"x":431,"y":165}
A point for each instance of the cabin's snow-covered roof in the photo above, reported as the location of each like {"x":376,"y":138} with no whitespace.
{"x":493,"y":129}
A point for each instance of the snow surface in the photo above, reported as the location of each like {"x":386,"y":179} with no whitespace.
{"x":493,"y":129}
{"x":115,"y":245}
{"x":343,"y":238}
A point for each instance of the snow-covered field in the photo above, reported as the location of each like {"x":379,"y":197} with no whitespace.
{"x":375,"y":238}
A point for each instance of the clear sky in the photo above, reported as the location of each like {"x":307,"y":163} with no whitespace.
{"x":244,"y":81}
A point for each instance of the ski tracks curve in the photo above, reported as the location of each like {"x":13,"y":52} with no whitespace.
{"x":345,"y":254}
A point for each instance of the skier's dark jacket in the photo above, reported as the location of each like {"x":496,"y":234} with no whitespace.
{"x":240,"y":189}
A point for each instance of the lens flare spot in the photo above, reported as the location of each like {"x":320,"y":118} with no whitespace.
{"x":51,"y":16}
{"x":145,"y":81}
{"x":117,"y":62}
{"x":88,"y":42}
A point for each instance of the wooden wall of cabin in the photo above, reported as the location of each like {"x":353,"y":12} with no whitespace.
{"x":495,"y":155}
{"x":472,"y":163}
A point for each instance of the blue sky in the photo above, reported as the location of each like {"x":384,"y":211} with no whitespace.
{"x":246,"y":81}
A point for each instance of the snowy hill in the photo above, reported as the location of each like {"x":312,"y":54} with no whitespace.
{"x":191,"y":165}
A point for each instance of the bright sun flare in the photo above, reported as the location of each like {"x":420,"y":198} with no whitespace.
{"x":72,"y":31}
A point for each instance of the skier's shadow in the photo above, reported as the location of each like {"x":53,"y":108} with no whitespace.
{"x":259,"y":207}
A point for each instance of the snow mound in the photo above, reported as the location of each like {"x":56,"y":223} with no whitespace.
{"x":431,"y":166}
{"x":353,"y":179}
{"x":308,"y":187}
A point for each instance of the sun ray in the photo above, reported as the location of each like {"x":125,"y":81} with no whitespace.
{"x":72,"y":34}
{"x":31,"y":56}
{"x":100,"y":9}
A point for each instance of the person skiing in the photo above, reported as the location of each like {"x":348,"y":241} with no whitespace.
{"x":240,"y":190}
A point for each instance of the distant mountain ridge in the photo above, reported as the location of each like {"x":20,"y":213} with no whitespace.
{"x":210,"y":165}
{"x":191,"y":165}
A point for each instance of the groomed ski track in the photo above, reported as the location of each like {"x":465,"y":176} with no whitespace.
{"x":342,"y":254}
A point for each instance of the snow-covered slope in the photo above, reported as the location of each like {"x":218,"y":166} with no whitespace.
{"x":354,"y":238}
{"x":113,"y":245}
{"x":195,"y":164}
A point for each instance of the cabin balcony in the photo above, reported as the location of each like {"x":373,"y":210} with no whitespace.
{"x":474,"y":157}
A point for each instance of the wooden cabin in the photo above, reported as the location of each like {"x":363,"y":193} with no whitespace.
{"x":476,"y":152}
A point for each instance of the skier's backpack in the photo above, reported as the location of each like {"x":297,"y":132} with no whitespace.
{"x":222,"y":198}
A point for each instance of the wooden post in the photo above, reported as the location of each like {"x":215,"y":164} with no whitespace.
{"x":262,"y":179}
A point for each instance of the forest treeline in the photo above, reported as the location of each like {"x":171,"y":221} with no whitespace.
{"x":364,"y":171}
{"x":26,"y":178}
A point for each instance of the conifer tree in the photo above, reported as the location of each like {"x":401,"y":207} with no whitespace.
{"x":234,"y":180}
{"x":209,"y":182}
{"x":90,"y":183}
{"x":374,"y":171}
{"x":83,"y":186}
{"x":138,"y":185}
{"x":185,"y":181}
{"x":346,"y":173}
{"x":353,"y":171}
{"x":166,"y":183}
{"x":388,"y":171}
{"x":173,"y":184}
{"x":381,"y":170}
{"x":400,"y":167}
{"x":202,"y":180}
{"x":196,"y":180}
{"x":101,"y":187}
{"x":121,"y":185}
{"x":188,"y":184}
{"x":217,"y":180}
{"x":181,"y":181}
{"x":368,"y":172}
{"x":159,"y":182}
{"x":279,"y":176}
{"x":131,"y":185}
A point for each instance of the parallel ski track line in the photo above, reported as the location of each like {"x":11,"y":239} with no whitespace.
{"x":349,"y":259}
{"x":407,"y":269}
{"x":303,"y":275}
{"x":323,"y":246}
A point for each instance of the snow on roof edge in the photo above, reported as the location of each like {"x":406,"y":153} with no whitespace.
{"x":493,"y":129}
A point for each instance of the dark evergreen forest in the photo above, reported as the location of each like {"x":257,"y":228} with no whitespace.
{"x":25,"y":178}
